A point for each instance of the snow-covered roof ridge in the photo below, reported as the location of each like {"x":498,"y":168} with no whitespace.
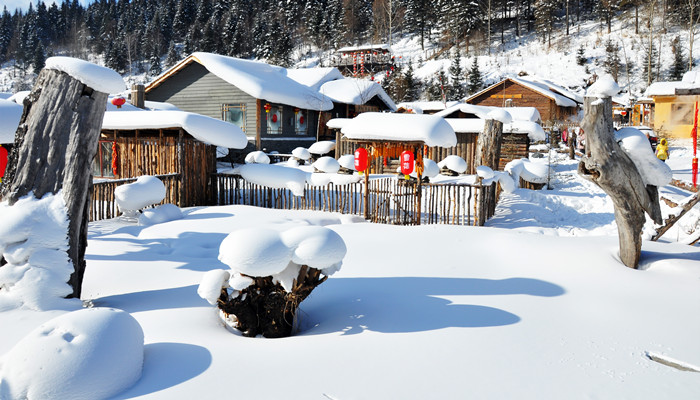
{"x":99,"y":78}
{"x":382,"y":46}
{"x":539,"y":87}
{"x":314,"y":77}
{"x":201,"y":127}
{"x":258,"y":79}
{"x":432,"y":130}
{"x":517,"y":113}
{"x":355,"y":91}
{"x":690,"y":80}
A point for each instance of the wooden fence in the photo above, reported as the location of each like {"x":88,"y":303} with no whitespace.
{"x":103,"y":205}
{"x":390,"y":201}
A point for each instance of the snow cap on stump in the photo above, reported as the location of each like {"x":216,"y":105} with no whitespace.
{"x":454,"y":163}
{"x":605,"y":86}
{"x":327,"y":164}
{"x":98,"y":78}
{"x":255,"y":252}
{"x":147,"y":190}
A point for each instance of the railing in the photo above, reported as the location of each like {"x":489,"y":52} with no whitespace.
{"x":389,"y":200}
{"x":104,"y":206}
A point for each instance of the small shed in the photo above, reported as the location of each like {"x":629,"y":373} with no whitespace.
{"x":673,"y":110}
{"x":554,"y":103}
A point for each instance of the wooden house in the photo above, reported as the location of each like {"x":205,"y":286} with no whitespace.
{"x":275,"y":111}
{"x":555,"y":104}
{"x":359,"y":61}
{"x":672,"y":114}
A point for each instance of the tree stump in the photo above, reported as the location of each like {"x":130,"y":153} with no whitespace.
{"x":488,"y":146}
{"x":54,"y":147}
{"x":608,"y":166}
{"x":265,"y":308}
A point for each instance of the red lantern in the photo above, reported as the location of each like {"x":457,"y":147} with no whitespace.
{"x":407,"y":162}
{"x":623,"y":113}
{"x":274,"y":118}
{"x":360,"y":159}
{"x":301,"y":120}
{"x":118,"y":101}
{"x":115,"y":158}
{"x":267,"y":107}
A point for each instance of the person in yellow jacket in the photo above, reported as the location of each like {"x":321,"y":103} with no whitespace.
{"x":662,"y":150}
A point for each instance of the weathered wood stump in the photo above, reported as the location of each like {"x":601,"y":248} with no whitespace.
{"x":488,"y":145}
{"x":265,"y":308}
{"x":54,"y":147}
{"x":608,"y":166}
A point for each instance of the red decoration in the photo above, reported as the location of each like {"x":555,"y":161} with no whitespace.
{"x":301,"y":120}
{"x":118,"y":101}
{"x":406,"y":162}
{"x":115,"y":158}
{"x":274,"y":118}
{"x":361,"y":159}
{"x":694,"y":133}
{"x":623,"y":113}
{"x":3,"y":161}
{"x":267,"y":107}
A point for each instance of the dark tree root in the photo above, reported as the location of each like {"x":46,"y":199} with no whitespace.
{"x":267,"y":309}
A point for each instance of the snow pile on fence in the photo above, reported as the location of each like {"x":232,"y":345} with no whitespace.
{"x":34,"y":242}
{"x":146,"y":191}
{"x":429,"y":129}
{"x":454,"y":163}
{"x":327,"y":165}
{"x":257,"y":157}
{"x":89,"y":354}
{"x":10,"y":114}
{"x":261,"y":252}
{"x":274,"y":176}
{"x":99,"y":78}
{"x":636,"y":145}
{"x":322,"y":147}
{"x":301,"y":153}
{"x":527,"y":170}
{"x":347,"y":161}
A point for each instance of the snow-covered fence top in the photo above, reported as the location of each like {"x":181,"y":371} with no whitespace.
{"x":429,"y":129}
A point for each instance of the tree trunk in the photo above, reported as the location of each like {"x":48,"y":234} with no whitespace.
{"x":670,"y":221}
{"x":572,"y":144}
{"x":608,"y":166}
{"x":488,"y":146}
{"x":55,"y":145}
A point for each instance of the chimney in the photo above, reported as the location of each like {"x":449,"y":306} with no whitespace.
{"x":138,"y":96}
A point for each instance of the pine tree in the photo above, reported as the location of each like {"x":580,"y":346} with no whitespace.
{"x":412,"y":87}
{"x":612,"y":62}
{"x":650,"y":57}
{"x":437,"y":89}
{"x":39,"y":58}
{"x":544,"y":14}
{"x":173,"y":56}
{"x":475,"y":80}
{"x":679,"y":61}
{"x":420,"y":18}
{"x":156,"y":68}
{"x":456,"y":89}
{"x":581,"y":58}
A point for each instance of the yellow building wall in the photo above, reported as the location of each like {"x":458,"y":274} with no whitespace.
{"x":673,"y":115}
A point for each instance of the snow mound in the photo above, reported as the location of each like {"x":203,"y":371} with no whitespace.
{"x":501,"y":115}
{"x":528,"y":170}
{"x":90,"y":354}
{"x":210,"y":287}
{"x":605,"y":86}
{"x":255,"y":252}
{"x":506,"y":181}
{"x":327,"y":165}
{"x":99,"y":78}
{"x":315,"y":246}
{"x":653,"y":171}
{"x":162,"y":213}
{"x":322,"y":147}
{"x":274,"y":176}
{"x":301,"y":153}
{"x":239,"y":282}
{"x":347,"y":161}
{"x":484,"y":172}
{"x":257,"y":157}
{"x":34,"y":242}
{"x":430,"y":169}
{"x":534,"y":130}
{"x":454,"y":163}
{"x":146,"y":191}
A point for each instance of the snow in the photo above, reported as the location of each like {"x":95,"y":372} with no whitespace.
{"x":347,"y":161}
{"x":516,"y":113}
{"x":605,"y":86}
{"x":201,"y":127}
{"x":454,"y":163}
{"x":255,"y":252}
{"x":534,"y":130}
{"x":210,"y":287}
{"x":34,"y":242}
{"x":263,"y":81}
{"x":689,"y":81}
{"x":419,"y":107}
{"x":10,"y":114}
{"x":97,"y":77}
{"x":356,"y":91}
{"x":257,"y":157}
{"x":322,"y":147}
{"x":301,"y":153}
{"x":430,"y":169}
{"x":338,"y":123}
{"x":146,"y":191}
{"x":19,"y":97}
{"x":315,"y":246}
{"x":327,"y":164}
{"x":274,"y":176}
{"x":484,"y":172}
{"x":653,"y":171}
{"x":431,"y":130}
{"x":160,"y":214}
{"x":314,"y":77}
{"x":89,"y":354}
{"x":501,"y":115}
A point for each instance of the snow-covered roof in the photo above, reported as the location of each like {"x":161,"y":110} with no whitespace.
{"x":99,"y":78}
{"x":476,"y":125}
{"x":691,"y":80}
{"x":203,"y":128}
{"x":516,"y":113}
{"x":431,"y":130}
{"x":258,"y":79}
{"x":539,"y":87}
{"x":420,"y":107}
{"x":355,"y":91}
{"x":314,"y":77}
{"x":365,"y":47}
{"x":559,"y":89}
{"x":10,"y":114}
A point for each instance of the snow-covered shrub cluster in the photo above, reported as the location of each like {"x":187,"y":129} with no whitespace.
{"x":34,"y":242}
{"x":89,"y":354}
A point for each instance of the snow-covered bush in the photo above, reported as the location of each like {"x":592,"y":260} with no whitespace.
{"x":347,"y":163}
{"x":257,"y":157}
{"x":454,"y":164}
{"x":89,"y":354}
{"x":146,"y":191}
{"x":326,"y":164}
{"x":271,"y":273}
{"x":301,"y":153}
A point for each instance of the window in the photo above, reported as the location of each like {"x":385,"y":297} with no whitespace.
{"x":102,"y":164}
{"x":274,"y":120}
{"x":300,"y":121}
{"x":682,"y":113}
{"x":235,"y":114}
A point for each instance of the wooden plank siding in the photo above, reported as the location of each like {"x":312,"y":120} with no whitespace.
{"x":522,"y":96}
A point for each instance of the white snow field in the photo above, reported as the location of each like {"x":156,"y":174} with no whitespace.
{"x":534,"y":306}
